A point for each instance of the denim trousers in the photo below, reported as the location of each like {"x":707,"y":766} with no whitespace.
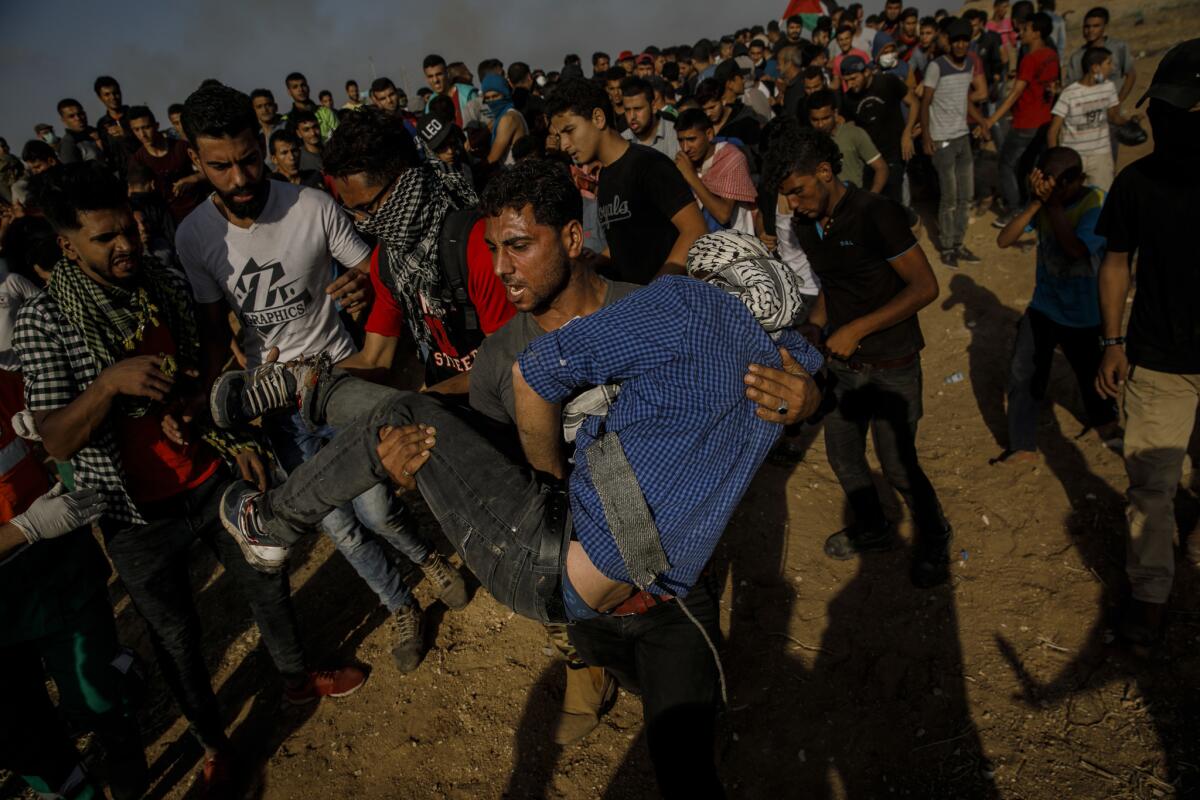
{"x":1029,"y":373}
{"x":152,"y":561}
{"x":662,"y":656}
{"x":888,"y":403}
{"x":1020,"y":145}
{"x":955,"y":165}
{"x":354,"y":526}
{"x":507,"y":523}
{"x":84,"y":659}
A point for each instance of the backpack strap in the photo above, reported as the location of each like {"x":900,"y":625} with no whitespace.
{"x":452,"y":254}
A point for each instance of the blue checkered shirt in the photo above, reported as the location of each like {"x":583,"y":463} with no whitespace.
{"x":679,"y":348}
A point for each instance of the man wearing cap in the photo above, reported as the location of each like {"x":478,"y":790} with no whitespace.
{"x":874,"y":100}
{"x":445,"y":140}
{"x":644,"y":66}
{"x":1151,"y":210}
{"x":626,"y":61}
{"x":738,"y":119}
{"x":952,"y":87}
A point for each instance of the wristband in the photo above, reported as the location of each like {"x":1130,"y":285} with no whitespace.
{"x":1111,"y":341}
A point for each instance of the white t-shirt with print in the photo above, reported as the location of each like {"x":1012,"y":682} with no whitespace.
{"x":1084,"y":110}
{"x":274,"y":273}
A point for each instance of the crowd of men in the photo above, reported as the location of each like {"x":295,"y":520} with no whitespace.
{"x":189,"y":312}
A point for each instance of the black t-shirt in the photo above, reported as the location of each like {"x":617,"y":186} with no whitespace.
{"x":988,"y":47}
{"x":851,"y":260}
{"x":1151,"y":210}
{"x":877,"y":110}
{"x":638,"y":195}
{"x":743,"y":124}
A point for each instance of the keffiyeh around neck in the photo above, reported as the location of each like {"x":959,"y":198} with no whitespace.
{"x":743,"y":266}
{"x":409,"y":224}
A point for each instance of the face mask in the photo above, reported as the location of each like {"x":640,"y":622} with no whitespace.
{"x":1098,"y":78}
{"x":49,"y":138}
{"x":888,"y":60}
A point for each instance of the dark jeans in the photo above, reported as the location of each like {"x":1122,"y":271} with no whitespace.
{"x":152,"y":561}
{"x":888,"y":402}
{"x":955,"y":167}
{"x":1022,"y":146}
{"x":1033,"y":353}
{"x":508,"y":525}
{"x":84,"y":659}
{"x":662,"y":656}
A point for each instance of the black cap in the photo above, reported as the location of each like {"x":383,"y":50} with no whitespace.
{"x":727,"y":69}
{"x":852,"y":65}
{"x":433,"y":131}
{"x":1177,"y":79}
{"x":959,"y":29}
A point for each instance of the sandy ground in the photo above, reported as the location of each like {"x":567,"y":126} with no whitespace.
{"x":844,"y":680}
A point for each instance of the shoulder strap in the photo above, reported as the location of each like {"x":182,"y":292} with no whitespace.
{"x":452,"y":254}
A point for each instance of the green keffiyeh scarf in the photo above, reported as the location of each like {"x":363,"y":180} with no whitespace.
{"x":114,"y":321}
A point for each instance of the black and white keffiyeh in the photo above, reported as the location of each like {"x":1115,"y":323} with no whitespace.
{"x":743,"y":266}
{"x":409,"y":223}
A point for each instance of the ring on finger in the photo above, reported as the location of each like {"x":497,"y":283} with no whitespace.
{"x":783,"y":408}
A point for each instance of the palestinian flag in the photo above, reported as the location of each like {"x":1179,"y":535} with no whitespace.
{"x":810,"y":10}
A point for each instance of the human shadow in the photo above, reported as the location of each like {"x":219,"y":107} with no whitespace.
{"x":1164,"y":680}
{"x":993,"y":327}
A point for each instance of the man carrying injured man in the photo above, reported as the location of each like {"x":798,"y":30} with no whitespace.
{"x":618,"y":546}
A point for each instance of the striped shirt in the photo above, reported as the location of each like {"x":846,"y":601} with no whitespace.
{"x":951,"y":85}
{"x":1084,"y":110}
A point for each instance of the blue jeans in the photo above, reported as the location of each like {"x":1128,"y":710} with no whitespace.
{"x":1029,"y":373}
{"x":509,"y":526}
{"x":956,"y":181}
{"x":351,"y":524}
{"x":887,"y":402}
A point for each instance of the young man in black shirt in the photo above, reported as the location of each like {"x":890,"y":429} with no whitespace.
{"x":1151,"y":210}
{"x":647,"y":211}
{"x":873,"y":101}
{"x":874,"y":279}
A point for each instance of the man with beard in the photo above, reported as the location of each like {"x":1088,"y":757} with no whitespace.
{"x":263,"y":249}
{"x":645,"y":126}
{"x":874,"y":279}
{"x":108,"y":354}
{"x":688,"y":462}
{"x":1151,"y":210}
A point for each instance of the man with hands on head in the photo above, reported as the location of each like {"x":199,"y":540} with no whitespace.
{"x":874,"y":279}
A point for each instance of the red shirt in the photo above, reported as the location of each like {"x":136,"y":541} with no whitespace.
{"x":1039,"y":70}
{"x":168,"y":169}
{"x":22,"y":479}
{"x":155,"y":467}
{"x":487,"y":294}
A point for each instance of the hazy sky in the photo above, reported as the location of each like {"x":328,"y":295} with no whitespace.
{"x":161,"y":51}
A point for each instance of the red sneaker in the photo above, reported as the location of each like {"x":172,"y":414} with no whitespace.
{"x":217,"y":774}
{"x":327,"y":683}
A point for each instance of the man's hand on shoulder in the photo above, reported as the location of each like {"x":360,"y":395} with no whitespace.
{"x":784,"y":396}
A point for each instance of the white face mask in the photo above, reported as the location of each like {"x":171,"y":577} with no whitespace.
{"x":49,"y":138}
{"x":889,"y":60}
{"x":1098,"y":78}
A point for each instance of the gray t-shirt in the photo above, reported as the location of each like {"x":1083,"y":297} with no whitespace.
{"x":1122,"y":62}
{"x":491,"y":374}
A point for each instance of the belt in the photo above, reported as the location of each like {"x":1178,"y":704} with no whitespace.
{"x":640,"y":603}
{"x":858,"y":364}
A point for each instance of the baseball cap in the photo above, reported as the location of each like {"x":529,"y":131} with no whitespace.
{"x":727,"y":69}
{"x":959,"y":29}
{"x":852,"y":65}
{"x":1177,"y":79}
{"x":645,"y":58}
{"x":433,"y":131}
{"x":625,"y":54}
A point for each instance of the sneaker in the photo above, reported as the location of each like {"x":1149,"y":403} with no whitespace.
{"x":850,"y":542}
{"x":966,"y":255}
{"x":591,"y":692}
{"x":448,"y":584}
{"x":1002,"y":220}
{"x":326,"y":683}
{"x":949,"y":259}
{"x":409,"y":648}
{"x":238,"y":397}
{"x":241,"y":516}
